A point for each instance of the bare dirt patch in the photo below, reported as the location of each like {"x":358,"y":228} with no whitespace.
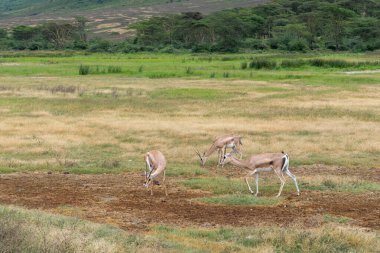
{"x":121,"y":200}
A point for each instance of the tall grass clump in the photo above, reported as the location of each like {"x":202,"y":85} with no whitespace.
{"x":331,"y":63}
{"x":226,"y":75}
{"x":114,"y":69}
{"x":244,"y":65}
{"x":293,"y":63}
{"x":84,"y":70}
{"x":262,"y":64}
{"x":189,"y":71}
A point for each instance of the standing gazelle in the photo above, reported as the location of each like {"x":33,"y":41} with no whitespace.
{"x":221,"y":144}
{"x":155,"y":166}
{"x":278,"y":162}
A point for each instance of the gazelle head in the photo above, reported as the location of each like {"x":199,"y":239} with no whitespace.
{"x":203,"y":158}
{"x":226,"y":158}
{"x":148,"y":179}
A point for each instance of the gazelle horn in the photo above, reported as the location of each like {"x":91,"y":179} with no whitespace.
{"x":198,"y":153}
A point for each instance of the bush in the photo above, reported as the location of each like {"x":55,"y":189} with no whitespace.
{"x":130,"y":48}
{"x":298,"y":45}
{"x":244,"y":65}
{"x":168,"y":50}
{"x":256,"y":44}
{"x":35,"y":46}
{"x":100,"y":46}
{"x":262,"y":64}
{"x":80,"y":45}
{"x":3,"y":33}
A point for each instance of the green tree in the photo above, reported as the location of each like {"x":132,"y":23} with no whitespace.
{"x":335,"y":26}
{"x":228,"y":29}
{"x":58,"y":33}
{"x":23,"y":32}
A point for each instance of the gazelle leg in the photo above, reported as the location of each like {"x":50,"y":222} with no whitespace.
{"x":219,"y":157}
{"x":151,"y":188}
{"x":294,"y":180}
{"x":164,"y":184}
{"x":148,"y":163}
{"x":257,"y":184}
{"x":246,"y":180}
{"x":237,"y":151}
{"x":223,"y":154}
{"x":282,"y":179}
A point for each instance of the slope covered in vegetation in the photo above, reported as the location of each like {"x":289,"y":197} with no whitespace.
{"x":291,"y":25}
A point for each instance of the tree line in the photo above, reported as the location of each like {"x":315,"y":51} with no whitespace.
{"x":291,"y":25}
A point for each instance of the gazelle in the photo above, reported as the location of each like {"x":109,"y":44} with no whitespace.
{"x":155,"y":166}
{"x":278,"y":162}
{"x":221,"y":144}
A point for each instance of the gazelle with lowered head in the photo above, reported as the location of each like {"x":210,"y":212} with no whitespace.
{"x":221,"y":144}
{"x":155,"y":167}
{"x":277,"y":162}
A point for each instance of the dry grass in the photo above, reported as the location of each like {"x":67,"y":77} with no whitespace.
{"x":336,"y":127}
{"x":324,"y":239}
{"x":35,"y":231}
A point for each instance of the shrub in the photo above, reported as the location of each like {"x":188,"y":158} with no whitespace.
{"x":256,"y":44}
{"x":100,"y":46}
{"x":244,"y":65}
{"x":3,"y":33}
{"x":298,"y":45}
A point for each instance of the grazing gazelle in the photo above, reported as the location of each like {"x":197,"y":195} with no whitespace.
{"x":155,"y":166}
{"x":221,"y":144}
{"x":278,"y":162}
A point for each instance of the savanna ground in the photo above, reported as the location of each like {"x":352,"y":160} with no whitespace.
{"x":72,"y":150}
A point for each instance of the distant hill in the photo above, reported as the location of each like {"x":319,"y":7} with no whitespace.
{"x":107,"y":18}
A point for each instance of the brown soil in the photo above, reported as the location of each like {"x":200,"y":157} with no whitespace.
{"x":122,"y":200}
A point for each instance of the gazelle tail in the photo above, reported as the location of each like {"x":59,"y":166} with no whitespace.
{"x":285,"y":162}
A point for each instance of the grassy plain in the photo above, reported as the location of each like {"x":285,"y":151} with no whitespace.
{"x":53,"y":119}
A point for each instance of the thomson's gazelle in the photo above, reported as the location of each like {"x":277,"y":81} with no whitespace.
{"x":277,"y":162}
{"x":221,"y":144}
{"x":155,"y":166}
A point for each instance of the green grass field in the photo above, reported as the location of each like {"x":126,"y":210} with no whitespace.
{"x":53,"y":118}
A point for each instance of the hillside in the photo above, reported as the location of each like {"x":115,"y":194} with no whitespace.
{"x":108,"y":18}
